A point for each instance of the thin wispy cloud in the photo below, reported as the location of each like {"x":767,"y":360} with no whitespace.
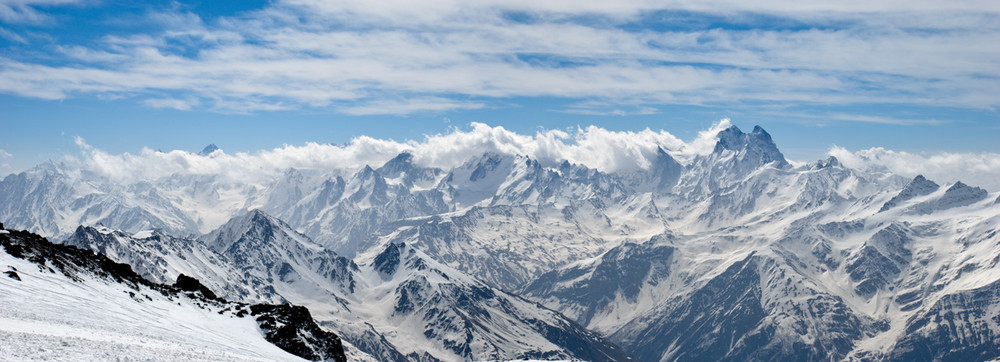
{"x":400,"y":57}
{"x":29,"y":11}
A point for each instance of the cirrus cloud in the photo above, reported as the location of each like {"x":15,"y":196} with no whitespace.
{"x":402,"y":57}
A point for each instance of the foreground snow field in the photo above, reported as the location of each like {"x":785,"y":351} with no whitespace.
{"x":47,"y":316}
{"x":62,"y":303}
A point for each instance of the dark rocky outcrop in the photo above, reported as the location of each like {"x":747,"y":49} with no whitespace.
{"x":292,"y":329}
{"x":189,"y":284}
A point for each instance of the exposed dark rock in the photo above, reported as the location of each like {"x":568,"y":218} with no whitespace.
{"x":623,"y":270}
{"x":388,"y":260}
{"x":292,"y":329}
{"x":958,"y":327}
{"x":880,"y":260}
{"x":189,"y":284}
{"x":727,"y":320}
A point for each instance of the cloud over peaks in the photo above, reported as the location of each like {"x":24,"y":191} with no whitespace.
{"x":978,"y":169}
{"x":592,"y":146}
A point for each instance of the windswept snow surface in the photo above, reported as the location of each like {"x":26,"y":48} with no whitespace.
{"x":48,"y":316}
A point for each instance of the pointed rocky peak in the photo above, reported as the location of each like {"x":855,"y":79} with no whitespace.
{"x":208,"y":150}
{"x":387,"y":262}
{"x":827,"y":163}
{"x":485,"y":165}
{"x":48,"y":165}
{"x":367,"y":186}
{"x":84,"y":235}
{"x":365,"y":173}
{"x":664,"y":158}
{"x":565,"y":166}
{"x":919,"y":186}
{"x":960,"y":187}
{"x":731,"y":138}
{"x":253,"y":225}
{"x":957,"y":195}
{"x":964,"y":194}
{"x":258,"y":217}
{"x":48,"y":170}
{"x":757,"y":146}
{"x":397,"y":165}
{"x":666,"y":168}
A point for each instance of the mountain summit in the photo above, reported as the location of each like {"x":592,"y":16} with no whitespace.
{"x":208,"y":150}
{"x":756,"y":145}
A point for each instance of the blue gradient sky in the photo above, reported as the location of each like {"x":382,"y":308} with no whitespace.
{"x":920,"y":77}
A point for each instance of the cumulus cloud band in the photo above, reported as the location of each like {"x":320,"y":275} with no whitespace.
{"x":595,"y":147}
{"x":979,"y":169}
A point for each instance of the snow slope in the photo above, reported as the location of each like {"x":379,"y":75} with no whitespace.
{"x":68,"y":304}
{"x":417,"y":306}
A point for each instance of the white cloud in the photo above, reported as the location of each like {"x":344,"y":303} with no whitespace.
{"x":592,"y":146}
{"x":5,"y":154}
{"x":399,"y":57}
{"x":25,"y":11}
{"x":408,"y":106}
{"x":596,"y":147}
{"x":172,"y":103}
{"x":977,"y":169}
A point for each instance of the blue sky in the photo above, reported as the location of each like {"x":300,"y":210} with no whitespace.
{"x":914,"y":76}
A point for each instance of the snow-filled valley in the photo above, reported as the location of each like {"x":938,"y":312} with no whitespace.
{"x":734,"y":253}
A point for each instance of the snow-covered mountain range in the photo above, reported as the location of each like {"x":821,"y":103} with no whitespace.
{"x":731,"y":254}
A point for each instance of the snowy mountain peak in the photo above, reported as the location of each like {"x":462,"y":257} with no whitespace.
{"x":827,"y":163}
{"x":388,"y":260}
{"x":958,"y":195}
{"x":919,"y":186}
{"x":397,"y":165}
{"x":757,"y":145}
{"x":208,"y":150}
{"x":666,"y":168}
{"x":486,"y":165}
{"x":255,"y":226}
{"x":48,"y":165}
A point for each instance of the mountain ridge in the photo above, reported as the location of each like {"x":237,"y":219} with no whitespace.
{"x":624,"y":253}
